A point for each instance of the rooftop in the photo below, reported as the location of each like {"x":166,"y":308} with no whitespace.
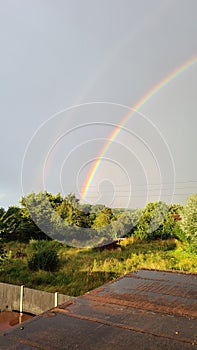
{"x":146,"y":309}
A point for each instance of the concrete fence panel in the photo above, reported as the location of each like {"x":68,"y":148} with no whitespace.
{"x":29,"y":300}
{"x":62,"y":298}
{"x":9,"y":296}
{"x":37,"y":301}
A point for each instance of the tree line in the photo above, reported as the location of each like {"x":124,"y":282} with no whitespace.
{"x":46,"y":216}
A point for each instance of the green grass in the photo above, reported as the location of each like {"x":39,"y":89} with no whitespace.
{"x":84,"y":269}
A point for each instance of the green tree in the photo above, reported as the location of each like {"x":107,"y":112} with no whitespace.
{"x":2,"y":212}
{"x":189,"y":219}
{"x":2,"y":253}
{"x":2,"y":223}
{"x":72,"y":200}
{"x":39,"y":209}
{"x":151,"y":222}
{"x":78,"y":218}
{"x":54,"y":200}
{"x":64,"y":209}
{"x":72,"y":214}
{"x":103,"y":218}
{"x":16,"y":224}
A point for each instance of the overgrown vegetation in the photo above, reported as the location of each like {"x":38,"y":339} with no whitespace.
{"x":160,"y":236}
{"x":81,"y":270}
{"x":44,"y":256}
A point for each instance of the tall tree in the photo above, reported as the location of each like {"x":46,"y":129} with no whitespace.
{"x":189,"y":219}
{"x":103,"y":218}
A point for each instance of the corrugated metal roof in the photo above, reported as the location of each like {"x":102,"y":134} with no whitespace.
{"x":143,"y":310}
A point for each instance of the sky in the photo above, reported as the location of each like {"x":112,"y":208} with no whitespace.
{"x":70,"y":71}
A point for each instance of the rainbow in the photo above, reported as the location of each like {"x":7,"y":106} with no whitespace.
{"x":165,"y":81}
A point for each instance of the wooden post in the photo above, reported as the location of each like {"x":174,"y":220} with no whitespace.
{"x":56,"y":299}
{"x":21,"y":299}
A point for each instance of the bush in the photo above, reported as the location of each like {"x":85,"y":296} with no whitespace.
{"x":45,"y":258}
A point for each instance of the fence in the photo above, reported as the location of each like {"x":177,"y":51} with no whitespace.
{"x":20,"y":298}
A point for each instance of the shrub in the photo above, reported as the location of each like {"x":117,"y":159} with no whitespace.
{"x":45,"y":258}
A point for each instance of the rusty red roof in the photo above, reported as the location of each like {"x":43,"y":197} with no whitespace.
{"x":145,"y":309}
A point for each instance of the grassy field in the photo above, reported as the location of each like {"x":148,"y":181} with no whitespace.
{"x":81,"y":270}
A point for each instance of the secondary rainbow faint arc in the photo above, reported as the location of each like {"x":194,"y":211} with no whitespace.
{"x":166,"y":80}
